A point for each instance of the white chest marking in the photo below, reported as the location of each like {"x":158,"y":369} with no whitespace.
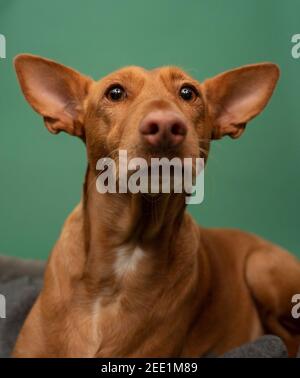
{"x":127,"y":260}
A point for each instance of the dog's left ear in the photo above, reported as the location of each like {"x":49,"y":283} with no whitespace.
{"x":237,"y":96}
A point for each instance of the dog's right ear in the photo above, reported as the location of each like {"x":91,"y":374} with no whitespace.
{"x":54,"y":91}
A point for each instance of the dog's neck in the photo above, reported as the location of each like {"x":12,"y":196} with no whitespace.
{"x":122,"y":224}
{"x":132,"y":218}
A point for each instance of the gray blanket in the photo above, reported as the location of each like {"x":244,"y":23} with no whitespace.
{"x":21,"y":281}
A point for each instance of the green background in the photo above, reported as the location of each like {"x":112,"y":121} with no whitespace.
{"x":252,"y":183}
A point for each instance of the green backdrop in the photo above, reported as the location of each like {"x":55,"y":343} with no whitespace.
{"x":252,"y":183}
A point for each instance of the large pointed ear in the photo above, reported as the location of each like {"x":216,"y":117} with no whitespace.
{"x":54,"y":91}
{"x":237,"y":96}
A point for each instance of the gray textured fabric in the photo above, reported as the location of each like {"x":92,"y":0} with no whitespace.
{"x":267,"y":346}
{"x":20,"y":283}
{"x":13,"y":267}
{"x":20,"y":295}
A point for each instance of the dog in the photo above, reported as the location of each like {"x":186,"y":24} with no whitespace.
{"x":133,"y":275}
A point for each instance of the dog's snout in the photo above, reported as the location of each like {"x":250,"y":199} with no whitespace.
{"x":163,"y":128}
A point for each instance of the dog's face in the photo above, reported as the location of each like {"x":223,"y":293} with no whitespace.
{"x":159,"y":113}
{"x":147,"y":113}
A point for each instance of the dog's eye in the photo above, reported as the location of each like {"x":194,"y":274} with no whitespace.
{"x":187,"y":93}
{"x":116,"y":93}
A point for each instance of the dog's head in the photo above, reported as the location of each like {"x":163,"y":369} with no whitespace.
{"x":162,"y":112}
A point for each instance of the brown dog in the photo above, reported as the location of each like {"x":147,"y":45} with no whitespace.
{"x":130,"y":276}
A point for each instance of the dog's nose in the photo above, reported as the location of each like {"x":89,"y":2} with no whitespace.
{"x":163,"y":128}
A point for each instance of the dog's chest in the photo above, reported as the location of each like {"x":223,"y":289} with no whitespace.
{"x":108,"y":317}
